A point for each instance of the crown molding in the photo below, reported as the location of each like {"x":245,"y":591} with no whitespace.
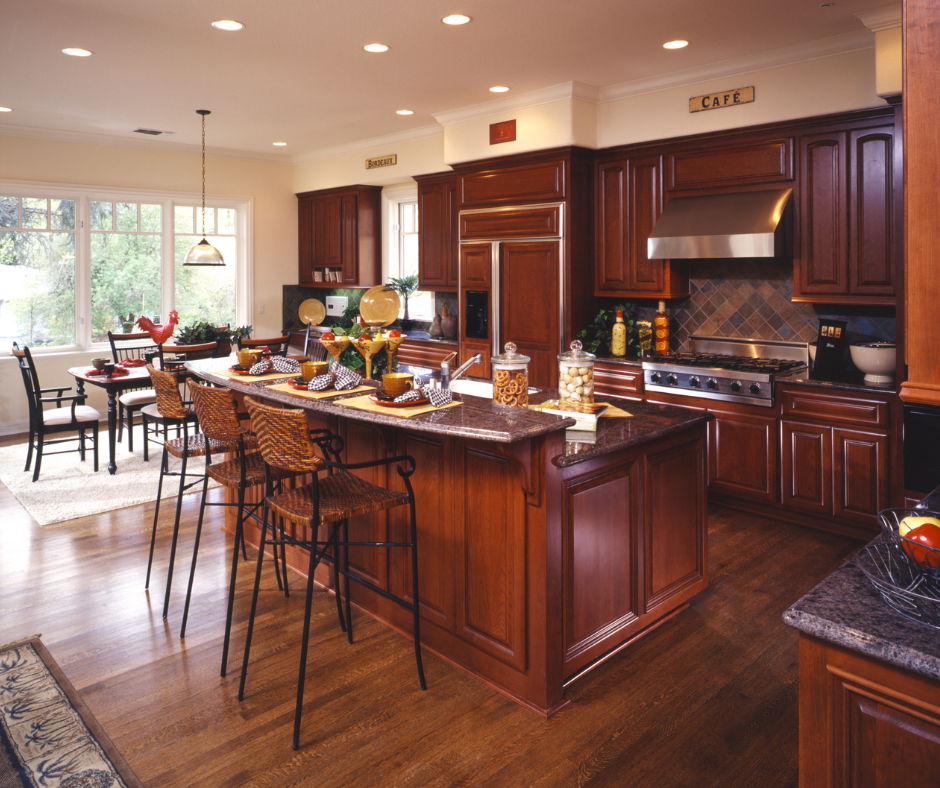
{"x":565,"y":90}
{"x":369,"y":145}
{"x":105,"y":140}
{"x":800,"y":53}
{"x":885,"y":18}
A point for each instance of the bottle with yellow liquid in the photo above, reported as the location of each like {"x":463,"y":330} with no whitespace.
{"x":618,"y":338}
{"x":661,"y":331}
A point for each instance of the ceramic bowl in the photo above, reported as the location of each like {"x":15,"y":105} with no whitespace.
{"x":98,"y":363}
{"x":875,"y":359}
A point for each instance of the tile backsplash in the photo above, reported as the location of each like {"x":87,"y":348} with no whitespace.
{"x":750,"y":299}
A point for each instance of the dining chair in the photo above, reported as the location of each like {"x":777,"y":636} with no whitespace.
{"x":136,"y":347}
{"x":330,"y":500}
{"x":70,"y":414}
{"x":277,"y":345}
{"x":312,"y":349}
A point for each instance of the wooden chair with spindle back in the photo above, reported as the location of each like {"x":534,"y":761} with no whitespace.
{"x":137,"y":347}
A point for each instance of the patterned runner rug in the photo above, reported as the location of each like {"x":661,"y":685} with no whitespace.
{"x":48,"y":737}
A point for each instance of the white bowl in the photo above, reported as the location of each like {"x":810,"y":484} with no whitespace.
{"x":876,"y":359}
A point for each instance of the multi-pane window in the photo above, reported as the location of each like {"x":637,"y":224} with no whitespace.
{"x":37,"y":271}
{"x":74,"y":266}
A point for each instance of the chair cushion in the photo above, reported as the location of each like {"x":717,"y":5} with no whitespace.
{"x":83,"y":413}
{"x":138,"y":398}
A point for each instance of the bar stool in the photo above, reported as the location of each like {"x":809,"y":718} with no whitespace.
{"x":277,"y":345}
{"x":285,"y":443}
{"x":170,"y":411}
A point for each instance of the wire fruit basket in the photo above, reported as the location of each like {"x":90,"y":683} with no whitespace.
{"x":910,"y":593}
{"x":922,"y":559}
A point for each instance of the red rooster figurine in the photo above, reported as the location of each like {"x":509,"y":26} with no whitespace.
{"x":159,"y":334}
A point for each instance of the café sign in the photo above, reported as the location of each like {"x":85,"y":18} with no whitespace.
{"x":382,"y":161}
{"x":729,"y":98}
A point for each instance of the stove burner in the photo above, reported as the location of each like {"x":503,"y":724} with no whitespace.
{"x":769,"y":366}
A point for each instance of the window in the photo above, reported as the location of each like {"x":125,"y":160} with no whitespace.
{"x":400,"y":256}
{"x":76,"y":263}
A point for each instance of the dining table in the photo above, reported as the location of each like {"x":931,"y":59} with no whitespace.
{"x":136,"y":377}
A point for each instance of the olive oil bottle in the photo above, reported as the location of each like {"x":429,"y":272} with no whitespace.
{"x":618,"y":338}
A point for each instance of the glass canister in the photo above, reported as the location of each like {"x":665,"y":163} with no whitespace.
{"x":511,"y":378}
{"x":576,"y":375}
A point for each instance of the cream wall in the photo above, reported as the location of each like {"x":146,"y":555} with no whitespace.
{"x":888,"y":59}
{"x":270,"y":185}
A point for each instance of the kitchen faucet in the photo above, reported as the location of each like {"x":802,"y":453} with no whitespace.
{"x":447,"y":378}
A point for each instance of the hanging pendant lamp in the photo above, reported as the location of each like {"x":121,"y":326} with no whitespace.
{"x":203,"y":253}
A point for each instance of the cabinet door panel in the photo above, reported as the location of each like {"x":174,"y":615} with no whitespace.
{"x":616,"y":380}
{"x":824,"y":247}
{"x":476,"y":262}
{"x":517,"y":223}
{"x":742,"y":455}
{"x":612,"y":250}
{"x":538,"y":182}
{"x":807,"y":467}
{"x":860,"y":475}
{"x":349,"y":247}
{"x":483,"y":368}
{"x":437,"y":233}
{"x":332,"y":232}
{"x":871,"y":219}
{"x":307,"y":220}
{"x":645,"y":204}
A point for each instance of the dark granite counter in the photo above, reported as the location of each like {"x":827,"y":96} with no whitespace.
{"x":479,"y":419}
{"x":846,"y":610}
{"x":847,"y":381}
{"x":621,"y":360}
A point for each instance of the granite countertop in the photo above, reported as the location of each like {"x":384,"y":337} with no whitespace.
{"x":622,"y":360}
{"x":479,"y":419}
{"x":847,"y":381}
{"x":846,"y":610}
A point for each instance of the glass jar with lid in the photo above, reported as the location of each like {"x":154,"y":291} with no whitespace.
{"x":511,"y":378}
{"x":576,"y":375}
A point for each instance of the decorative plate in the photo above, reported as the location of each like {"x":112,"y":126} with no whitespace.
{"x":385,"y":403}
{"x":311,"y":311}
{"x":379,"y":305}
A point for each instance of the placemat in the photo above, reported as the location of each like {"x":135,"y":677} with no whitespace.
{"x":364,"y":403}
{"x":615,"y":412}
{"x":316,"y":394}
{"x":227,"y":373}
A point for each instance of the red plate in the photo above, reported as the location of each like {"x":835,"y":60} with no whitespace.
{"x":387,"y":404}
{"x":248,"y":371}
{"x":298,"y":383}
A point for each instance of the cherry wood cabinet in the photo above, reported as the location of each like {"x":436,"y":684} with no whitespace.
{"x":835,"y":449}
{"x":864,"y":723}
{"x":848,"y":217}
{"x":742,"y":453}
{"x":617,"y":380}
{"x":629,"y":200}
{"x":438,"y":234}
{"x":426,"y":353}
{"x":340,"y":231}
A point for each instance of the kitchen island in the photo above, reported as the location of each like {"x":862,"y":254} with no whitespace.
{"x":539,"y":558}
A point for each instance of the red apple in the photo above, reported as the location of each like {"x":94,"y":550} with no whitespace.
{"x":928,"y":535}
{"x":394,"y":333}
{"x":329,"y":336}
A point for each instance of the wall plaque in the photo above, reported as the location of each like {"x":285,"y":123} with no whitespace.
{"x":729,"y":98}
{"x":382,"y":161}
{"x":503,"y":132}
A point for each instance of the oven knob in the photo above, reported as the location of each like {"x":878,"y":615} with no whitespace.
{"x":712,"y":384}
{"x":735,"y":386}
{"x":672,"y":380}
{"x":694,"y":382}
{"x":655,"y":377}
{"x":754,"y":388}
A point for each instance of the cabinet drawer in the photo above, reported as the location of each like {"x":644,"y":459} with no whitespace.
{"x":527,"y":183}
{"x":768,"y":161}
{"x":423,"y":354}
{"x":834,"y":408}
{"x":616,"y":380}
{"x":525,"y":223}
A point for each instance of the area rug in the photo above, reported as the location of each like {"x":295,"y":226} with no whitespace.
{"x":48,"y":737}
{"x":68,"y":488}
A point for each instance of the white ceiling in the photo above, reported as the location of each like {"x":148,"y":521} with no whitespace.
{"x":297,"y":72}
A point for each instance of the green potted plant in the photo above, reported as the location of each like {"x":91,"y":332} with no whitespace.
{"x":404,"y":286}
{"x":597,"y":335}
{"x":202,"y":331}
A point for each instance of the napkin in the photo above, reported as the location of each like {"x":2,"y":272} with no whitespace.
{"x":132,"y":362}
{"x":320,"y":382}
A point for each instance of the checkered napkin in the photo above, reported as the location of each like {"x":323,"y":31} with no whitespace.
{"x":410,"y":396}
{"x":345,"y":378}
{"x":261,"y":367}
{"x":438,"y":397}
{"x":321,"y":382}
{"x":287,"y":365}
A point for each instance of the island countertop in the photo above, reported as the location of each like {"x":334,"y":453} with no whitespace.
{"x":480,"y":419}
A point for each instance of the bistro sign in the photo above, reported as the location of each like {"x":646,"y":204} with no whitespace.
{"x":382,"y":161}
{"x":730,"y":98}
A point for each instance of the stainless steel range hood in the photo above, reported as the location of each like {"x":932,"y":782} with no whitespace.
{"x":746,"y":224}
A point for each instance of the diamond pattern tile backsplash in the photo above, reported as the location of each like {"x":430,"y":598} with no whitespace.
{"x":750,"y":299}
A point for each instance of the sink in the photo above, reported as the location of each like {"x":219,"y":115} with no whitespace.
{"x":476,"y":388}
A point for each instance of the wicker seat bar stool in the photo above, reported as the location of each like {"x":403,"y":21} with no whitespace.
{"x":328,"y":501}
{"x":219,"y":419}
{"x":170,"y":411}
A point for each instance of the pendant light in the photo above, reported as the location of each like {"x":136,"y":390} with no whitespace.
{"x":203,"y":253}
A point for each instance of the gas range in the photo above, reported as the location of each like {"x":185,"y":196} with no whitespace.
{"x":730,"y":370}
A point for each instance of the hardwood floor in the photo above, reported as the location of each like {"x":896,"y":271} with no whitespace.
{"x":709,"y":699}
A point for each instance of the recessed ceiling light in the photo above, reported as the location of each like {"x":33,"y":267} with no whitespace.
{"x":456,"y":19}
{"x":5,"y":109}
{"x":279,"y":144}
{"x":679,"y":44}
{"x":404,"y":112}
{"x":76,"y":52}
{"x":499,"y":89}
{"x":375,"y":48}
{"x":227,"y":24}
